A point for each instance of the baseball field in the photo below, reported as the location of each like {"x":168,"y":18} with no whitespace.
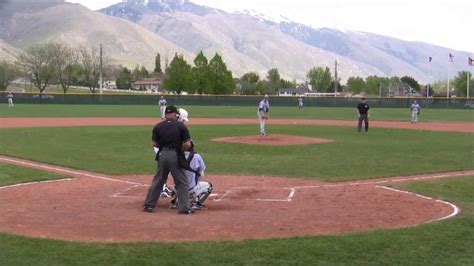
{"x":399,"y":194}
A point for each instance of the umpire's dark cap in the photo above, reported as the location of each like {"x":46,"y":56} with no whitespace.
{"x":171,"y":109}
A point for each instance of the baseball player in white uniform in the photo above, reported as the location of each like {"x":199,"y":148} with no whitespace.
{"x":415,"y":111}
{"x":300,"y":102}
{"x":199,"y":190}
{"x":262,"y":114}
{"x":162,"y":103}
{"x":10,"y":99}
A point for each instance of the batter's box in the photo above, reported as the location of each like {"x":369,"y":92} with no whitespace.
{"x":131,"y":192}
{"x":262,"y":194}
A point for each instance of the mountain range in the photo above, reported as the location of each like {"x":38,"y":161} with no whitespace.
{"x":134,"y":31}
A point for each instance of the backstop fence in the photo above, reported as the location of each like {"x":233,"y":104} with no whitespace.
{"x":233,"y":100}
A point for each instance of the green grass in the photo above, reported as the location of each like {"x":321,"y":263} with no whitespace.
{"x":11,"y":174}
{"x":381,"y":152}
{"x":127,"y":150}
{"x":447,"y":242}
{"x":59,"y":110}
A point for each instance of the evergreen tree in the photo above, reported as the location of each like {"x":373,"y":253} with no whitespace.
{"x":158,"y":64}
{"x":201,"y":82}
{"x":273,"y":77}
{"x":178,"y":75}
{"x":221,"y":81}
{"x":124,"y":79}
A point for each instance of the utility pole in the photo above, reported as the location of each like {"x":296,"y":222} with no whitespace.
{"x":335,"y":78}
{"x":100,"y":80}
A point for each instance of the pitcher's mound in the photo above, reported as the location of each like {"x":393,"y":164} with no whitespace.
{"x":279,"y":140}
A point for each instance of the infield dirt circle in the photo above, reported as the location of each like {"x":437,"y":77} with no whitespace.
{"x":93,"y":207}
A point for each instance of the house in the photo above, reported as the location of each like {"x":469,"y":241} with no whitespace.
{"x":290,"y":92}
{"x":298,"y":91}
{"x":149,"y":85}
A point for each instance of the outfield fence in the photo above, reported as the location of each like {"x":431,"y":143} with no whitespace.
{"x":233,"y":100}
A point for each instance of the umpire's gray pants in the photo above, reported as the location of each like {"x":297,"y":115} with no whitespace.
{"x":168,"y":162}
{"x":364,"y":118}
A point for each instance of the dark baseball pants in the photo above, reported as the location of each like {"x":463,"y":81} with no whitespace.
{"x":364,"y":118}
{"x":168,"y":163}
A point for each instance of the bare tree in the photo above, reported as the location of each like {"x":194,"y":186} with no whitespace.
{"x":38,"y":62}
{"x":66,"y":64}
{"x":90,"y":61}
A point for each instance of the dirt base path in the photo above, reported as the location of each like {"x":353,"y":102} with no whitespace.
{"x":93,"y":207}
{"x":147,"y":121}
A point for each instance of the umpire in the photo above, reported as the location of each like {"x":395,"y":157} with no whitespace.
{"x":171,"y":137}
{"x":363,"y":108}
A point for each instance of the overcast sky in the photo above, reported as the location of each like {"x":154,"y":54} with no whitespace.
{"x":447,"y":23}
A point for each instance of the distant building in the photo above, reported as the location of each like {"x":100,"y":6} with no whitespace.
{"x":301,"y":90}
{"x":290,"y":92}
{"x":149,"y":85}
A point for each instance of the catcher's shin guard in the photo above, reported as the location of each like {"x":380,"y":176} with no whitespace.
{"x":202,"y":191}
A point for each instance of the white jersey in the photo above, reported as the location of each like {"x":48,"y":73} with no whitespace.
{"x":415,"y":107}
{"x":162,"y":102}
{"x":197,"y":164}
{"x":264,"y":106}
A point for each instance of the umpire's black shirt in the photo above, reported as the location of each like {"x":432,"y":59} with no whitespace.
{"x":170,"y":134}
{"x":363,"y":108}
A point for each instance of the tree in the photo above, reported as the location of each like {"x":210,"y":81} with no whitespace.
{"x":355,"y":84}
{"x":273,"y":77}
{"x":372,"y":84}
{"x":8,"y":72}
{"x":411,"y":82}
{"x":38,"y":62}
{"x":251,"y":77}
{"x":201,"y":74}
{"x":221,"y":81}
{"x":66,"y":62}
{"x":460,"y":84}
{"x":158,"y":64}
{"x":248,"y":83}
{"x":90,"y":62}
{"x":320,"y":78}
{"x":179,"y":76}
{"x":124,"y":79}
{"x":287,"y":84}
{"x":144,"y":72}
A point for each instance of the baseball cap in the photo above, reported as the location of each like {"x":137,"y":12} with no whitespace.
{"x":171,"y":109}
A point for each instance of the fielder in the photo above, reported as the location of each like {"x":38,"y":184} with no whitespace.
{"x":415,"y":111}
{"x":10,"y":99}
{"x":300,"y":102}
{"x":262,"y":114}
{"x":162,"y":103}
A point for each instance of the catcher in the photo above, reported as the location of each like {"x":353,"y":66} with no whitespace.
{"x":199,"y":190}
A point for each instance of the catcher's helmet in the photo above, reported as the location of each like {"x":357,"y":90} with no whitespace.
{"x":183,"y":115}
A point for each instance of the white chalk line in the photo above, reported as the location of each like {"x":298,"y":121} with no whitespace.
{"x":293,"y":189}
{"x":455,"y":209}
{"x":36,"y":182}
{"x":62,"y":170}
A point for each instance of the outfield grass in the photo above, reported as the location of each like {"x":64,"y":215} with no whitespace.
{"x":127,"y":150}
{"x":381,"y":152}
{"x":339,"y":113}
{"x":447,"y":242}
